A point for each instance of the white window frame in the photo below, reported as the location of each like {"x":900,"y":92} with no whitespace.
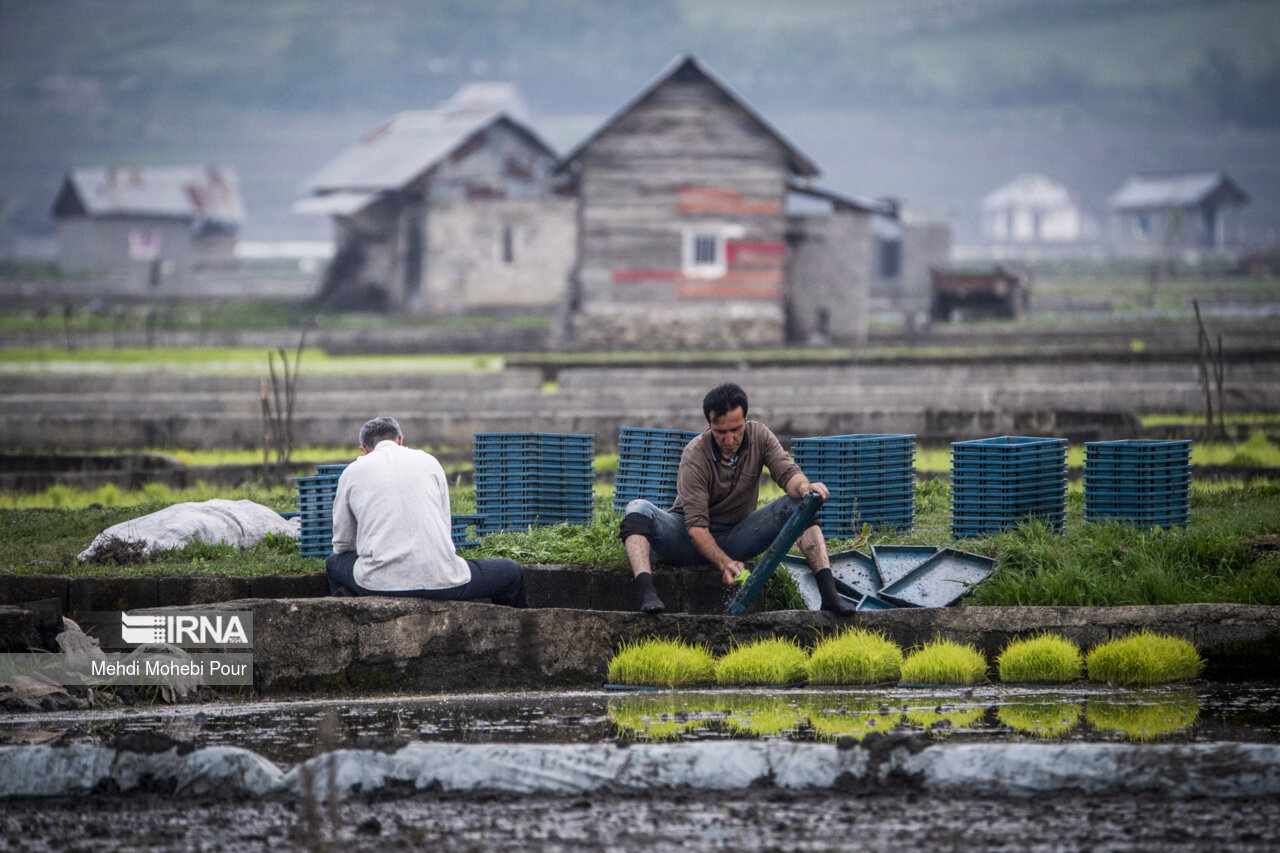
{"x":721,"y":234}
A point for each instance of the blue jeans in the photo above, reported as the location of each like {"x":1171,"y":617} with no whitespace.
{"x":742,"y":541}
{"x":497,"y":579}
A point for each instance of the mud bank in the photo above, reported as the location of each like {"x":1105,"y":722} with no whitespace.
{"x":900,"y":762}
{"x":754,"y":820}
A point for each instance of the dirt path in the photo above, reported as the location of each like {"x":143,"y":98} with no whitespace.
{"x":761,"y":820}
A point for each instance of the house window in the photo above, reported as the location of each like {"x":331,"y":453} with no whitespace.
{"x":704,"y":249}
{"x":508,"y":243}
{"x":705,"y":253}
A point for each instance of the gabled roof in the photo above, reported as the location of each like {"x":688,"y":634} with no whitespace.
{"x":1028,"y":191}
{"x":797,"y":162}
{"x":404,"y":148}
{"x":1148,"y":192}
{"x":183,"y":192}
{"x":843,"y":201}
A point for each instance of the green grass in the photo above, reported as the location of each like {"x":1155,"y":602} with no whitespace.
{"x":1044,"y":659}
{"x":1090,"y":565}
{"x":943,"y":661}
{"x":661,"y":663}
{"x":855,"y":656}
{"x":1142,"y":718}
{"x":232,"y":361}
{"x":773,"y":660}
{"x":1040,"y":719}
{"x":1144,"y":658}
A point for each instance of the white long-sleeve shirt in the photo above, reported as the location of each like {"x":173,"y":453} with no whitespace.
{"x":392,"y":509}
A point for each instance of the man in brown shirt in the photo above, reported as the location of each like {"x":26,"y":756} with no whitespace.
{"x":715,"y":517}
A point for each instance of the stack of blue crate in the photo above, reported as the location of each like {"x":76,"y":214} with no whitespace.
{"x":648,"y":462}
{"x":1000,"y":482}
{"x":315,"y":510}
{"x":871,"y":479}
{"x":1147,"y":482}
{"x":461,"y":524}
{"x":530,"y":478}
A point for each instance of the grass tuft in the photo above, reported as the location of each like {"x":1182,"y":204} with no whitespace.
{"x":855,"y":656}
{"x":661,"y":663}
{"x":774,"y":660}
{"x":944,"y":662}
{"x":1144,"y":658}
{"x":1043,"y":659}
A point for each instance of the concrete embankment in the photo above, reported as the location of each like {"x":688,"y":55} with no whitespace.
{"x":578,"y":619}
{"x":1084,"y":398}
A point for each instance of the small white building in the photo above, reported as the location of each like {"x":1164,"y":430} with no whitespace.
{"x":1031,"y":209}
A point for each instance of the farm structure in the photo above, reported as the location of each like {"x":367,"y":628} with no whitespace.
{"x":1153,"y":215}
{"x":445,"y":212}
{"x":698,"y":226}
{"x":147,"y":224}
{"x":1031,"y":209}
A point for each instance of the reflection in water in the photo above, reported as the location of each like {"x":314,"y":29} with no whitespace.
{"x":1040,"y":719}
{"x":850,"y":716}
{"x":830,"y":716}
{"x":761,"y":716}
{"x":941,"y":717}
{"x":1141,"y":717}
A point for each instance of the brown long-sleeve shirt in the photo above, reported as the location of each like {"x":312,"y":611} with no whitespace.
{"x":710,"y":492}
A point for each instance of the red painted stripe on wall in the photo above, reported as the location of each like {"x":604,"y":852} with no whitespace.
{"x":727,"y":291}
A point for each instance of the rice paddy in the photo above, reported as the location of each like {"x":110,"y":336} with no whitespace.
{"x":1144,"y":658}
{"x":770,"y":661}
{"x":662,"y":663}
{"x":855,"y":656}
{"x":1043,"y":659}
{"x":944,"y":661}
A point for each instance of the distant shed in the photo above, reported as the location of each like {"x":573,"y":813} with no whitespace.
{"x":443,"y":212}
{"x":1191,"y":211}
{"x":148,"y":223}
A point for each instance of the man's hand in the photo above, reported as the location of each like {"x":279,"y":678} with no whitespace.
{"x":730,"y":571}
{"x":820,"y":488}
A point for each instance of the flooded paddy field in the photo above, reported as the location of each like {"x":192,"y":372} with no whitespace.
{"x":289,"y":732}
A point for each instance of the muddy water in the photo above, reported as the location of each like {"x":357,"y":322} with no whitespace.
{"x":289,"y":732}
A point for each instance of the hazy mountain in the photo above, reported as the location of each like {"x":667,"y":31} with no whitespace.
{"x":933,"y":101}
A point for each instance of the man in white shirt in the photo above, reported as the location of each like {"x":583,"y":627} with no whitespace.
{"x":392,"y":530}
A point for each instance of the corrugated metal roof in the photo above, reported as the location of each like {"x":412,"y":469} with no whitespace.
{"x":1148,"y":192}
{"x":196,"y":192}
{"x":404,"y":148}
{"x":798,"y":163}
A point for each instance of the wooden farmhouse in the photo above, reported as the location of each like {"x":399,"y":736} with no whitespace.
{"x":444,"y":212}
{"x":147,"y":225}
{"x":698,"y":227}
{"x":1154,"y":215}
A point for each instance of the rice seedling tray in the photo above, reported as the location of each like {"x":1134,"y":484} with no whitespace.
{"x":897,"y":561}
{"x":940,"y":580}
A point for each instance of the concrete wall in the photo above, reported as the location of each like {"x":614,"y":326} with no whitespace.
{"x":829,"y":277}
{"x":103,"y":244}
{"x":467,"y":265}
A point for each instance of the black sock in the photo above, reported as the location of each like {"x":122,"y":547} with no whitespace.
{"x":831,"y":599}
{"x":649,"y":601}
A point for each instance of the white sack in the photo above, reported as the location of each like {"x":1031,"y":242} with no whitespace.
{"x":241,"y":524}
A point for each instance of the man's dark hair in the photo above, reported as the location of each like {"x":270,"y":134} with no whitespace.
{"x":723,"y":399}
{"x":379,"y":429}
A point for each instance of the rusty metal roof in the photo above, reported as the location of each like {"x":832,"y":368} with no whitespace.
{"x":1153,"y":192}
{"x":184,"y":192}
{"x":797,"y":161}
{"x":404,"y":148}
